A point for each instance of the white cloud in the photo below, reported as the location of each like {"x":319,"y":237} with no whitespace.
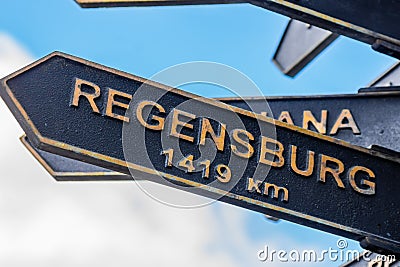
{"x":245,"y":248}
{"x":12,"y":55}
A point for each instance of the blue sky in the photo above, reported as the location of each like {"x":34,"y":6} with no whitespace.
{"x":144,"y":41}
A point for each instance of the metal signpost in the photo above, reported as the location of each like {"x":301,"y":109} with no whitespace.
{"x":326,"y":162}
{"x":258,"y":163}
{"x":339,"y":116}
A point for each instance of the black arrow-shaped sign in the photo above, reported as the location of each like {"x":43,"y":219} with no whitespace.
{"x":340,"y":116}
{"x":79,"y":109}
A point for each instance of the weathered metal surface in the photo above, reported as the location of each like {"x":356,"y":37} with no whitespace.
{"x":316,"y":180}
{"x":300,"y":44}
{"x":379,"y":128}
{"x":391,"y":77}
{"x":66,"y":169}
{"x":370,"y":259}
{"x":370,"y":21}
{"x":125,"y":3}
{"x":371,"y":123}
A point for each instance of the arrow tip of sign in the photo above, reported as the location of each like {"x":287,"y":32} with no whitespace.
{"x":36,"y":62}
{"x":15,"y":107}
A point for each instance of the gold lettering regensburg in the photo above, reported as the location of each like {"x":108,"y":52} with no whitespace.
{"x":268,"y":151}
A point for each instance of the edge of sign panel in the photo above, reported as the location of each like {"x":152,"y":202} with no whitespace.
{"x":280,"y":3}
{"x":308,"y":11}
{"x":363,"y":92}
{"x":119,"y":165}
{"x":295,"y":67}
{"x":127,"y":3}
{"x":72,"y":176}
{"x":383,"y":75}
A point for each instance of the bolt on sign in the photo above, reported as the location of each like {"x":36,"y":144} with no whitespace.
{"x":339,"y":116}
{"x":85,"y":111}
{"x":125,"y":3}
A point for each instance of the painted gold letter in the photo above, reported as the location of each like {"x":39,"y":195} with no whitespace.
{"x":334,"y":172}
{"x":139,"y":114}
{"x":112,"y":102}
{"x":345,"y":115}
{"x":253,"y":185}
{"x":176,"y":122}
{"x":293,"y":163}
{"x":250,"y":149}
{"x":285,"y":117}
{"x":265,"y":150}
{"x":309,"y":117}
{"x":207,"y":128}
{"x":370,"y":184}
{"x":276,"y":190}
{"x":90,"y":97}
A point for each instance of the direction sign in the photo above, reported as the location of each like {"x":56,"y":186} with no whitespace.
{"x":370,"y":21}
{"x":124,"y":3}
{"x":76,"y":108}
{"x":340,"y":116}
{"x":300,"y":44}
